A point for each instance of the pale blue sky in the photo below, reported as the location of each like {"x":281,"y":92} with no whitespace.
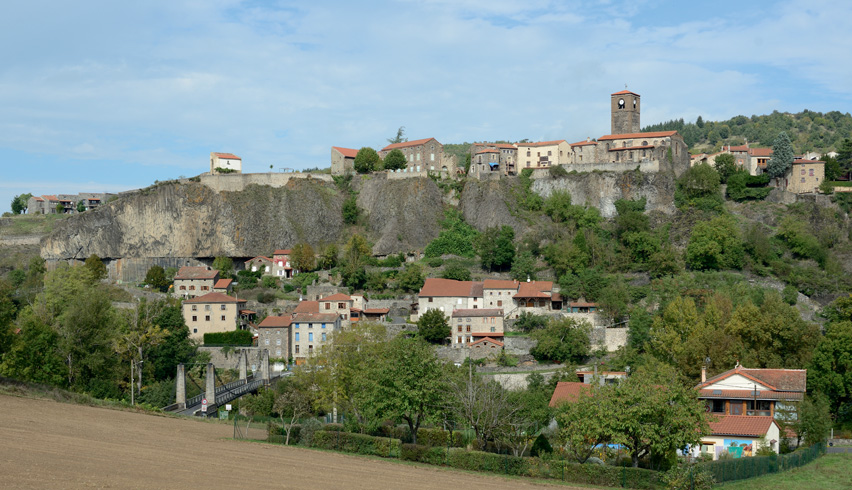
{"x":109,"y":96}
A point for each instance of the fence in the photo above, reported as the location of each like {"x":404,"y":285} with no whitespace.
{"x":742,"y":468}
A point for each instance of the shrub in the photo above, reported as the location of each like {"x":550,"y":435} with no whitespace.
{"x":456,"y":237}
{"x":269,"y":282}
{"x":541,"y":446}
{"x":265,"y":297}
{"x":423,"y":454}
{"x":236,"y":337}
{"x":790,"y":295}
{"x":435,"y":262}
{"x":688,"y":477}
{"x":456,"y":271}
{"x":439,"y":437}
{"x":350,"y":211}
{"x":357,"y":443}
{"x":557,"y":171}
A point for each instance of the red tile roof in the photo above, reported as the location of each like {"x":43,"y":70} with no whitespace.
{"x":282,"y":251}
{"x":741,"y":148}
{"x":488,"y":150}
{"x":802,"y":161}
{"x":655,"y":134}
{"x":190,"y":272}
{"x":774,"y":379}
{"x":478,"y":312}
{"x":487,"y":339}
{"x":214,"y":298}
{"x":346,"y":152}
{"x":760,"y":152}
{"x":499,"y":284}
{"x":625,"y":92}
{"x":584,"y":143}
{"x":337,"y":297}
{"x":582,"y":304}
{"x":228,"y":156}
{"x":276,"y":321}
{"x":568,"y":391}
{"x":741,"y":425}
{"x":50,"y":198}
{"x":505,"y":146}
{"x":376,"y":311}
{"x":314,"y":317}
{"x":749,"y":394}
{"x":261,"y":257}
{"x":535,"y":289}
{"x":542,"y":143}
{"x":307,"y":307}
{"x":223,"y":284}
{"x":446,"y":288}
{"x":406,"y":144}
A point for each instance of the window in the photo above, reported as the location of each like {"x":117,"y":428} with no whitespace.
{"x":297,"y":325}
{"x":430,"y":299}
{"x":222,"y":307}
{"x":528,"y":153}
{"x":499,"y":303}
{"x":206,"y":307}
{"x":192,"y":288}
{"x":460,"y":328}
{"x":297,"y":349}
{"x":468,"y":328}
{"x":323,"y":336}
{"x":297,"y":337}
{"x":278,"y":352}
{"x":458,"y":301}
{"x":736,"y":408}
{"x":206,"y":318}
{"x":803,"y":172}
{"x":194,"y":330}
{"x":204,"y":288}
{"x":194,"y":307}
{"x":459,"y":339}
{"x":341,"y":306}
{"x":418,"y":157}
{"x":266,"y":342}
{"x":432,"y":157}
{"x":459,"y":320}
{"x":811,"y":172}
{"x":323,"y":325}
{"x":183,"y":288}
{"x":549,"y":153}
{"x":194,"y":318}
{"x":328,"y":306}
{"x":223,"y":318}
{"x":468,"y":320}
{"x":310,"y":349}
{"x":803,"y":180}
{"x":277,"y":341}
{"x":310,"y":336}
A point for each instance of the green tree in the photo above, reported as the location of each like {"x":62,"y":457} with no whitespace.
{"x":156,"y":278}
{"x":177,"y":347}
{"x":813,"y":421}
{"x":830,"y":372}
{"x":303,"y":258}
{"x":699,"y":187}
{"x":782,"y":156}
{"x":726,"y":166}
{"x":530,"y":322}
{"x":563,"y":340}
{"x":832,"y":168}
{"x":20,"y":202}
{"x":328,"y":258}
{"x":844,"y":157}
{"x":135,"y":340}
{"x":583,"y":425}
{"x":366,"y":160}
{"x":400,"y":136}
{"x":81,"y":207}
{"x":356,"y":250}
{"x":456,"y":237}
{"x":350,"y":209}
{"x":60,"y":208}
{"x":33,"y":356}
{"x":225,"y":266}
{"x":395,"y":160}
{"x":496,"y":248}
{"x":407,"y":382}
{"x":455,"y":271}
{"x":411,"y":278}
{"x":96,"y":267}
{"x":715,"y":244}
{"x":8,"y":312}
{"x":433,"y":326}
{"x":524,"y":267}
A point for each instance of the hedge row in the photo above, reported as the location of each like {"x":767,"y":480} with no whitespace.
{"x":236,"y":337}
{"x":611,"y":476}
{"x":439,"y":438}
{"x":357,"y":443}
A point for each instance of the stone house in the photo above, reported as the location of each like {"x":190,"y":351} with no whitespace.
{"x":224,"y":286}
{"x":583,"y":151}
{"x":47,"y":204}
{"x":472,"y":325}
{"x":42,"y":204}
{"x":225,"y":161}
{"x":643,"y":147}
{"x":500,"y":158}
{"x":342,"y":160}
{"x":447,"y":295}
{"x":281,"y":263}
{"x":804,"y":176}
{"x":424,"y":155}
{"x":259,"y":263}
{"x":191,"y":281}
{"x":543,"y":154}
{"x":512,"y":297}
{"x":485,"y":347}
{"x":273,"y":334}
{"x":310,"y":332}
{"x":212,"y":312}
{"x":337,"y":304}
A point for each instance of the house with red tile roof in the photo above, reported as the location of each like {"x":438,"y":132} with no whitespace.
{"x":512,"y":297}
{"x":500,"y":158}
{"x":273,"y":334}
{"x":468,"y":326}
{"x":225,"y":163}
{"x":213,"y":312}
{"x":224,"y":286}
{"x":310,"y":332}
{"x":259,"y":263}
{"x":281,"y":263}
{"x":568,"y":392}
{"x":739,"y":436}
{"x":754,"y":392}
{"x":192,"y":281}
{"x":423,"y":155}
{"x":342,"y":160}
{"x":543,"y":154}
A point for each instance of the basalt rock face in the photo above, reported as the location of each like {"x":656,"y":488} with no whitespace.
{"x":191,"y":220}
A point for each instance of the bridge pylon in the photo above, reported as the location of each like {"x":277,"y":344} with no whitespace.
{"x":264,"y":367}
{"x":243,"y":365}
{"x":180,"y":388}
{"x":210,"y":391}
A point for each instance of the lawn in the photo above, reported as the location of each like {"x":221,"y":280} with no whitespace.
{"x":830,"y":472}
{"x":31,"y":224}
{"x":841,"y":183}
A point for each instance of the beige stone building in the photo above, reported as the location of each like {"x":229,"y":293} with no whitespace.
{"x":424,"y":155}
{"x":804,"y":176}
{"x":472,"y":325}
{"x":191,"y":281}
{"x":543,"y":154}
{"x":486,"y":158}
{"x":213,"y":312}
{"x":342,"y":160}
{"x":310,"y":332}
{"x":225,"y":163}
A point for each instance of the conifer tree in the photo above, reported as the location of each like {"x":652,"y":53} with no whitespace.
{"x":782,"y":156}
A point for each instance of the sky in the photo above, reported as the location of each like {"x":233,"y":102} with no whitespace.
{"x":106,"y":96}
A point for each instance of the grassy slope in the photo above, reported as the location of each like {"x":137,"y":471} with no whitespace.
{"x":31,"y":224}
{"x":829,"y":472}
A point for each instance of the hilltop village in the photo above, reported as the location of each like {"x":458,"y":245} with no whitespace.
{"x":561,"y":283}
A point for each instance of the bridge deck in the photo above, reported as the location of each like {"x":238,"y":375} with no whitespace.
{"x":224,"y":394}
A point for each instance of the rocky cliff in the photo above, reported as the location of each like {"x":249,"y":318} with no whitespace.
{"x":172,"y":223}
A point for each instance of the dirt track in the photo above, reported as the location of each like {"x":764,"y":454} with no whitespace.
{"x":46,"y":444}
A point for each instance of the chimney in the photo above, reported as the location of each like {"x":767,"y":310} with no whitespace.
{"x":703,"y":373}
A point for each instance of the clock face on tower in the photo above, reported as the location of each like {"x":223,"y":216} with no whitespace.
{"x":621,"y":103}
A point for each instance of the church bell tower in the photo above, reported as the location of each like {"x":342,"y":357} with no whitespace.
{"x":625,"y":112}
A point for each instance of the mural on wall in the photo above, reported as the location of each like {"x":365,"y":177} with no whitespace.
{"x":737,"y":448}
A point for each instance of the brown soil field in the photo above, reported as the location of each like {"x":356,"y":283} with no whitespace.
{"x":47,"y":444}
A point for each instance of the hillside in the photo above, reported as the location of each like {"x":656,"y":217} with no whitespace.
{"x":809,"y":131}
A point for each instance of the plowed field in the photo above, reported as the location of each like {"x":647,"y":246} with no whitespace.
{"x":46,"y":444}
